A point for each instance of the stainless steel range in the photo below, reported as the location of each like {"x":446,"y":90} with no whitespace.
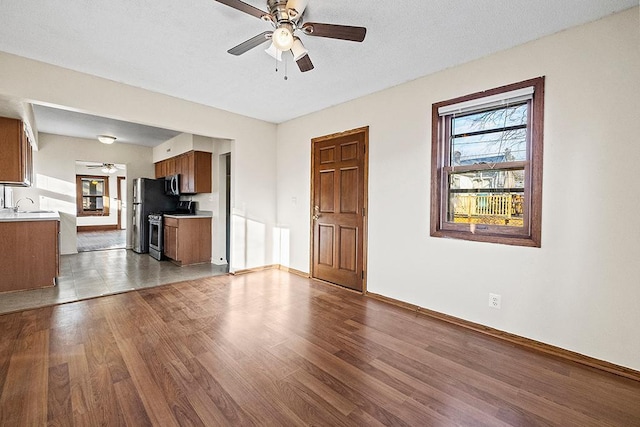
{"x":156,"y":237}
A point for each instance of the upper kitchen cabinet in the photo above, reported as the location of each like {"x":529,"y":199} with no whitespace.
{"x":166,"y":167}
{"x":195,"y":171}
{"x":16,"y":167}
{"x":194,"y":168}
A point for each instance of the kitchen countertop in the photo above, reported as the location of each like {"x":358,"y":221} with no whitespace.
{"x":196,"y":215}
{"x":8,"y":215}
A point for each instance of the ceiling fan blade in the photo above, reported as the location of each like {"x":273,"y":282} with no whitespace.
{"x":298,"y":6}
{"x":333,"y":31}
{"x":244,"y":7}
{"x":251,"y":43}
{"x":305,"y":63}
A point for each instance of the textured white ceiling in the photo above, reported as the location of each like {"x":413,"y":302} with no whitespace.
{"x":179,"y":48}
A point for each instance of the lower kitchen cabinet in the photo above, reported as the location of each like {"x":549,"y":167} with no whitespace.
{"x":187,"y":239}
{"x":29,"y":254}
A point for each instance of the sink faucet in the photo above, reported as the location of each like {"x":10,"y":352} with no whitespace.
{"x":15,"y":208}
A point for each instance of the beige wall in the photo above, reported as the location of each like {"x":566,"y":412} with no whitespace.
{"x":580,"y":291}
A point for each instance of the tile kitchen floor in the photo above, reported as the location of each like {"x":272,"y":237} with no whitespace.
{"x":92,"y":274}
{"x":101,"y":240}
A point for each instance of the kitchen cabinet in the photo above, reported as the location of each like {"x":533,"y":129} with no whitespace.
{"x":170,"y":166}
{"x":195,"y":172}
{"x":166,"y":167}
{"x":16,"y":164}
{"x":187,"y":239}
{"x":194,"y":168}
{"x":160,"y":169}
{"x":171,"y":238}
{"x":30,"y":254}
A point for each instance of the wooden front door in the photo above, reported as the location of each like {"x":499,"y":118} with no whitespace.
{"x":338,"y":207}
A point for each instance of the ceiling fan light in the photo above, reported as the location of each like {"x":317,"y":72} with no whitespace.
{"x":109,"y":168}
{"x":296,"y":8}
{"x":282,"y":38}
{"x":273,"y":52}
{"x":106,"y":139}
{"x":298,"y":49}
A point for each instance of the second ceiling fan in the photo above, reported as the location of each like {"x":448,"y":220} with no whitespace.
{"x":286,"y":16}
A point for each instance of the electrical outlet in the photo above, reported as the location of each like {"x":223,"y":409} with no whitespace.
{"x":494,"y":301}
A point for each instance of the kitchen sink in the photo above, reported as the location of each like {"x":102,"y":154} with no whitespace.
{"x":34,"y":212}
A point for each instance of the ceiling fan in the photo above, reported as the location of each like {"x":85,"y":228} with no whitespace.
{"x":106,"y":167}
{"x":286,"y":16}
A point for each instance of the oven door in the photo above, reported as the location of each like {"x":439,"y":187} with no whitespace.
{"x":155,"y":238}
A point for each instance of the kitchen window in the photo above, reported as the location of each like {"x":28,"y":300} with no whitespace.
{"x":486,"y":171}
{"x":92,"y":195}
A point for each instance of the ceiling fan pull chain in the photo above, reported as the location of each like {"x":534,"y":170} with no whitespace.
{"x":285,"y":68}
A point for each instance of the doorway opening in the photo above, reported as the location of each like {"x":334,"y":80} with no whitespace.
{"x":101,"y":206}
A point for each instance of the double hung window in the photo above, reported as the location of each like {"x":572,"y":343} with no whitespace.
{"x":92,"y":195}
{"x":487,"y":165}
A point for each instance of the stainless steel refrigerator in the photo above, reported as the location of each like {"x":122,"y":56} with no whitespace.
{"x":148,"y":197}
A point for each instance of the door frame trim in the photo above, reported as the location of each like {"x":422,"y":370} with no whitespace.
{"x":365,"y":201}
{"x":119,"y":195}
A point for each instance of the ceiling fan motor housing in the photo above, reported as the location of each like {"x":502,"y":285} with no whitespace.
{"x":278,"y":9}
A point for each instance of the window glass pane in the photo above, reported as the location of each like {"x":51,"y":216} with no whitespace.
{"x":493,"y":136}
{"x":495,"y":147}
{"x":92,"y":187}
{"x":92,"y":203}
{"x":494,"y":197}
{"x":515,"y":115}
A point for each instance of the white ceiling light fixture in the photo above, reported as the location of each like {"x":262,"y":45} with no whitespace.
{"x":274,"y":52}
{"x":106,"y":139}
{"x":282,"y":38}
{"x":109,"y":168}
{"x":298,"y":50}
{"x":296,"y":8}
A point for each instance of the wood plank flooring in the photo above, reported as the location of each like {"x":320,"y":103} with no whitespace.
{"x":271,"y":348}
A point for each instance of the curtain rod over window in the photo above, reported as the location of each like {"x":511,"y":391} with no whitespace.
{"x":487,"y":102}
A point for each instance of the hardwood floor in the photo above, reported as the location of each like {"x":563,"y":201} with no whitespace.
{"x":272,"y":348}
